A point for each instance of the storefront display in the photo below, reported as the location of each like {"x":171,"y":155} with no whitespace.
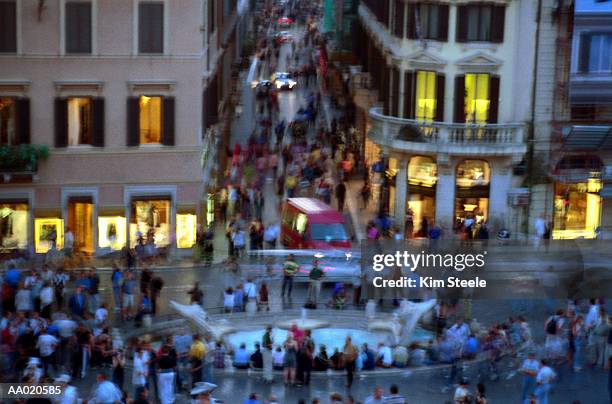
{"x":472,"y":191}
{"x":13,"y":226}
{"x":48,"y":232}
{"x":577,"y":210}
{"x":186,"y":227}
{"x":111,"y":232}
{"x":80,"y":222}
{"x":150,"y":219}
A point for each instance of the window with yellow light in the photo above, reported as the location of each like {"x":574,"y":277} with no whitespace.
{"x":111,"y":232}
{"x":48,"y":232}
{"x":425,"y":95}
{"x":150,"y":118}
{"x":186,"y":228}
{"x":477,"y":102}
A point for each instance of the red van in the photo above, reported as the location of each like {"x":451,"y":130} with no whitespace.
{"x":311,"y":224}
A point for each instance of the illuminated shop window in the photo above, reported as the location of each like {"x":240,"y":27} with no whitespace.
{"x":422,"y":171}
{"x":473,"y":173}
{"x":48,"y":232}
{"x":472,"y":191}
{"x":150,"y":220}
{"x":577,"y":209}
{"x":150,"y":120}
{"x":477,"y":102}
{"x":425,"y":106}
{"x":186,"y":230}
{"x":13,"y":226}
{"x":111,"y":232}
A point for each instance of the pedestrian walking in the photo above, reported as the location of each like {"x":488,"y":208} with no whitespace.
{"x":290,"y":268}
{"x":314,"y":287}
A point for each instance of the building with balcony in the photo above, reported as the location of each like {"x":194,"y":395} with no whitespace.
{"x":125,"y":96}
{"x":448,"y":131}
{"x":573,"y":130}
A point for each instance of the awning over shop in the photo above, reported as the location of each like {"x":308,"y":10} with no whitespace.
{"x":110,"y":210}
{"x":588,"y":138}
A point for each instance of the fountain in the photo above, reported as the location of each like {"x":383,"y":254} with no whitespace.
{"x":198,"y":317}
{"x":404,"y":321}
{"x":304,"y":322}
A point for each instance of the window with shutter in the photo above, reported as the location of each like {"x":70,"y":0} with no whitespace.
{"x":459,"y":110}
{"x":395,"y":87}
{"x":411,"y":21}
{"x":8,"y":26}
{"x":169,"y":122}
{"x":22,"y":121}
{"x":133,"y":122}
{"x":462,"y":24}
{"x":78,"y":27}
{"x":498,"y":17}
{"x":440,"y":84}
{"x":151,"y":27}
{"x":398,"y":18}
{"x":494,"y":99}
{"x":8,"y":121}
{"x":98,"y":122}
{"x":480,"y":22}
{"x":61,"y":122}
{"x":409,"y":86}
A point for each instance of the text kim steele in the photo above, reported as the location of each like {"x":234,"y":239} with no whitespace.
{"x":429,"y":282}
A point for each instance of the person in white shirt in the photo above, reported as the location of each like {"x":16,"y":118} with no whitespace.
{"x":544,"y":380}
{"x":31,"y":279}
{"x":23,"y":300}
{"x":140,"y":368}
{"x":592,"y":315}
{"x":66,"y":327}
{"x":271,"y":235}
{"x":101,"y":314}
{"x":106,"y":392}
{"x":250,"y":290}
{"x":376,"y":397}
{"x":46,"y":345}
{"x":462,"y":394}
{"x":70,"y":394}
{"x":228,"y":300}
{"x":46,"y":300}
{"x":460,"y":331}
{"x":278,"y":358}
{"x":385,"y":356}
{"x":529,"y":369}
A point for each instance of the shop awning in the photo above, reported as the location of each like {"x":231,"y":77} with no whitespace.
{"x":606,"y":191}
{"x":44,"y":212}
{"x":111,"y":210}
{"x":588,"y":138}
{"x":186,"y":208}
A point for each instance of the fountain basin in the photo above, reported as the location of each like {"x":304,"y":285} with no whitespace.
{"x":302,"y":323}
{"x":330,"y":337}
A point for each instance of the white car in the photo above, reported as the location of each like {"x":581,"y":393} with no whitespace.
{"x":283,"y":81}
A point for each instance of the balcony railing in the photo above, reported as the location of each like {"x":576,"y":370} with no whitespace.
{"x":491,"y":138}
